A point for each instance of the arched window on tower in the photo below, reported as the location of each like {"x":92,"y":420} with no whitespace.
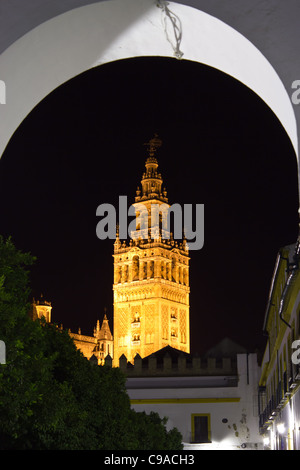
{"x":174,"y":270}
{"x":135,"y":268}
{"x":136,"y":321}
{"x":124,"y":273}
{"x":180,"y":275}
{"x":135,"y":340}
{"x":163,"y":270}
{"x":151,"y":269}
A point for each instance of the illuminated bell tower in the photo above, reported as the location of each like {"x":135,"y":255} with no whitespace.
{"x":151,"y":277}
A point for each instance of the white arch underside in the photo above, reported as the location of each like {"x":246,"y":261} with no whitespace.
{"x":85,"y":37}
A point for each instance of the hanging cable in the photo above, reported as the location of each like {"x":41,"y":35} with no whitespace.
{"x":169,"y":18}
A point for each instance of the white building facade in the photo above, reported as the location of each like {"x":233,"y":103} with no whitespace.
{"x":214,"y":408}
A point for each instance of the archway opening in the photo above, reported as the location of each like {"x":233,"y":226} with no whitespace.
{"x":222,"y":146}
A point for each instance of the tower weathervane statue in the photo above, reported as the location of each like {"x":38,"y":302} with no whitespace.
{"x":153,"y":144}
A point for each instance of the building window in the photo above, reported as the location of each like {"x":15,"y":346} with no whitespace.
{"x":135,"y":340}
{"x":136,"y":321}
{"x":174,"y":335}
{"x":201,"y":432}
{"x":135,"y":268}
{"x":173,"y":317}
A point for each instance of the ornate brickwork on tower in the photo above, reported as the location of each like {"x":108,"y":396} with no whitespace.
{"x":151,"y":277}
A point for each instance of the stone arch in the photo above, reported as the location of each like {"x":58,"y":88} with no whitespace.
{"x":106,"y":31}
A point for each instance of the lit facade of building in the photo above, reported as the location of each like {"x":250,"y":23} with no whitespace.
{"x":95,"y":348}
{"x":41,"y":308}
{"x":212,"y":400}
{"x":151,"y":276}
{"x":98,"y":346}
{"x":279,"y":391}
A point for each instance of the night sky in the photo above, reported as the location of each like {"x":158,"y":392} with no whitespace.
{"x":83,"y":145}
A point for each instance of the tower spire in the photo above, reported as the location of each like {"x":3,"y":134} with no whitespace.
{"x":151,"y":180}
{"x":151,"y":276}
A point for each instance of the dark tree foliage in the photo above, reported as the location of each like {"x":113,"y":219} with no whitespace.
{"x":51,"y":396}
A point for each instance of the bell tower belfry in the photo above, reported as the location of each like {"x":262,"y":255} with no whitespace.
{"x":151,"y":276}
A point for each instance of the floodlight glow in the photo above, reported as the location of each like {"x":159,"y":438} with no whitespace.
{"x":280,"y":428}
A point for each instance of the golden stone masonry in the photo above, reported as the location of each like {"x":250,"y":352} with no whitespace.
{"x":151,"y":280}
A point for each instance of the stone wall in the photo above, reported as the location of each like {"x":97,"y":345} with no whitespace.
{"x":182,"y":365}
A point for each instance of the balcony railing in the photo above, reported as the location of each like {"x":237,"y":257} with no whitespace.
{"x":284,"y":389}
